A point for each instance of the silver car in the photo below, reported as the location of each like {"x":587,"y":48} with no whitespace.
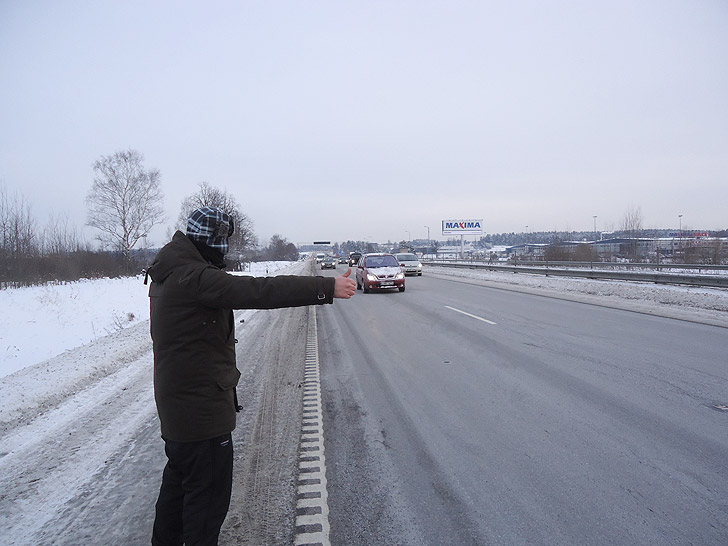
{"x":409,"y":262}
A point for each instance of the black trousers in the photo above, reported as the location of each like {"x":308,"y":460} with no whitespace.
{"x":195,"y":494}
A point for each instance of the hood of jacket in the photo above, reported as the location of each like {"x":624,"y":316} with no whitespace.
{"x":179,"y":252}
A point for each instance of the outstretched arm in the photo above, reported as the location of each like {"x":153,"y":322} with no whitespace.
{"x":344,"y":287}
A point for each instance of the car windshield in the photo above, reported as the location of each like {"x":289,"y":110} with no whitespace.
{"x":407,"y":257}
{"x":382,"y":261}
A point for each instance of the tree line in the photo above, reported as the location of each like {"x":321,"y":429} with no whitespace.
{"x":123,"y":205}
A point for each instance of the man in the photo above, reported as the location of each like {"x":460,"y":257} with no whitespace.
{"x":193,"y":334}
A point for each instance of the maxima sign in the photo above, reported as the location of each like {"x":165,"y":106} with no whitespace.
{"x":462,"y":227}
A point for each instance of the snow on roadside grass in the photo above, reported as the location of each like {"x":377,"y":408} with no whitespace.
{"x":40,"y":322}
{"x":656,"y":295}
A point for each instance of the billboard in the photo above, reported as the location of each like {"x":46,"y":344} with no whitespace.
{"x":462,"y":227}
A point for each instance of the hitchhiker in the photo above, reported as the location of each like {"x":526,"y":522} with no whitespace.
{"x":193,"y":336}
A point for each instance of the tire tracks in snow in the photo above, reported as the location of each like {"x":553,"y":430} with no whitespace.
{"x":55,"y":457}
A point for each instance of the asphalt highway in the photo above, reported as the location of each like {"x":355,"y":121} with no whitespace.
{"x":457,"y":414}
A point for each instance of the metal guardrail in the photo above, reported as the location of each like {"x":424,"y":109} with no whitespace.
{"x":605,"y":265}
{"x":713,"y":281}
{"x":630,"y":265}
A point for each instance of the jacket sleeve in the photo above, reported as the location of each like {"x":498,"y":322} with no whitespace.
{"x":220,"y":289}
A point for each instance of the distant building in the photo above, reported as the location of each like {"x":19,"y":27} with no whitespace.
{"x":697,"y":249}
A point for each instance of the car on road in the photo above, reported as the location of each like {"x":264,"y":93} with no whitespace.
{"x":379,"y":270}
{"x":329,"y":262}
{"x":319,"y":257}
{"x":354,"y":258}
{"x":343,"y":260}
{"x":410,"y":263}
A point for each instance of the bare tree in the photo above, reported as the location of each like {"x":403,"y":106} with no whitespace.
{"x":18,"y":240}
{"x":208,"y":196}
{"x":632,"y":221}
{"x":17,"y":226}
{"x":125,"y":201}
{"x":280,"y":249}
{"x":632,"y":226}
{"x":5,"y":214}
{"x":60,"y":236}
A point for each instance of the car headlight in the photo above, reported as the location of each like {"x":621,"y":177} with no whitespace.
{"x":371,"y":277}
{"x":399,"y":276}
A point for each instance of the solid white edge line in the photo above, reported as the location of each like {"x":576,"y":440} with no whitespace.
{"x":469,"y":315}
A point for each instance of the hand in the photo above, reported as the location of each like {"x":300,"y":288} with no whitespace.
{"x":344,"y":287}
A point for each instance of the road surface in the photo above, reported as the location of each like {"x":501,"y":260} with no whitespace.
{"x":464,"y":415}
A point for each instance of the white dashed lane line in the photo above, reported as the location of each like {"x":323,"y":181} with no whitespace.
{"x":476,"y":317}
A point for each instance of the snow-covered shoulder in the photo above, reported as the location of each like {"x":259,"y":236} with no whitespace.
{"x":41,"y":322}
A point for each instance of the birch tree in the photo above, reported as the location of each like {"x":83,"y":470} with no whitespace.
{"x":125,"y":201}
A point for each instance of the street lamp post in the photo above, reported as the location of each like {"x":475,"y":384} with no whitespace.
{"x":428,"y":238}
{"x":679,"y":233}
{"x":594,"y":246}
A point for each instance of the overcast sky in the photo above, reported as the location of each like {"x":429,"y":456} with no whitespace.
{"x":372,"y":120}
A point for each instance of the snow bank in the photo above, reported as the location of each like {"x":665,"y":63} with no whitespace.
{"x":40,"y":322}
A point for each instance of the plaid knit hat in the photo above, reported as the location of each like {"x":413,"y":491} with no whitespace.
{"x":211,"y":226}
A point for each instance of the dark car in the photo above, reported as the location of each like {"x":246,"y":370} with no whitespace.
{"x":354,"y":258}
{"x":379,"y":270}
{"x":329,"y":262}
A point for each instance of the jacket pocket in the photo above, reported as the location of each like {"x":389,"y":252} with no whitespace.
{"x":228,"y":379}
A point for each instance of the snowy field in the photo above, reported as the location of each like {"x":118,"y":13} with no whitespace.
{"x":41,"y":322}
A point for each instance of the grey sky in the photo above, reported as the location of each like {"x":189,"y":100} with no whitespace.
{"x":370,"y":120}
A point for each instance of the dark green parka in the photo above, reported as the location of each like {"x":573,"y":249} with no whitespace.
{"x":193,"y":334}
